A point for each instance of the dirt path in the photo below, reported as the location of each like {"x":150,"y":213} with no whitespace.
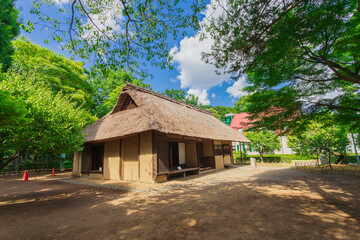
{"x":266,"y":203}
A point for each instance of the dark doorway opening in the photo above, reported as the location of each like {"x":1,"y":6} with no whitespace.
{"x":200,"y":151}
{"x":97,"y":158}
{"x":174,"y":154}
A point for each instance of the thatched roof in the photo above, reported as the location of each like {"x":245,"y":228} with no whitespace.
{"x":138,"y":110}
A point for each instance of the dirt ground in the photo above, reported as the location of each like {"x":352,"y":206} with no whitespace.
{"x":240,"y":203}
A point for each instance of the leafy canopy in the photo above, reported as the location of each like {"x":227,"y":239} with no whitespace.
{"x":119,"y":33}
{"x":54,"y":70}
{"x":9,"y":29}
{"x":264,"y":141}
{"x":34,"y":120}
{"x":322,"y":135}
{"x":181,"y":96}
{"x":301,"y":56}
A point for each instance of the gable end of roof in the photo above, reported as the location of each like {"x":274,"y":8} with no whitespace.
{"x":159,"y":95}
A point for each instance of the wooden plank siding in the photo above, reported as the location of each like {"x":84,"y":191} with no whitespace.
{"x":163,"y":155}
{"x":86,"y":158}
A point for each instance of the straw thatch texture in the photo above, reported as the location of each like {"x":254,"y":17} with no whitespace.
{"x":156,"y":112}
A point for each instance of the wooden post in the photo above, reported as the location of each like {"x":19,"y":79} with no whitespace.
{"x":120,"y":156}
{"x":154,"y":155}
{"x":355,"y":149}
{"x":241,"y":155}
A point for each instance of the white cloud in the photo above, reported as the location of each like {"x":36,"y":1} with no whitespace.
{"x":194,"y":73}
{"x":61,"y":2}
{"x":236,"y":89}
{"x":213,"y":95}
{"x":201,"y":94}
{"x":108,"y":16}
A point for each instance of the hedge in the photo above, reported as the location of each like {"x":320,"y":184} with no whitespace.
{"x":291,"y":156}
{"x":288,"y":158}
{"x":31,"y":165}
{"x":271,"y":159}
{"x":348,"y":159}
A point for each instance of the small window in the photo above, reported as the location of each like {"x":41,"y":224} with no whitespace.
{"x":227,"y":149}
{"x":218,"y":150}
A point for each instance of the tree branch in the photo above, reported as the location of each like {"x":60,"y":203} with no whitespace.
{"x":71,"y":23}
{"x":334,"y":66}
{"x":93,"y":23}
{"x":330,"y":106}
{"x":6,"y":161}
{"x":231,"y":16}
{"x":293,"y":5}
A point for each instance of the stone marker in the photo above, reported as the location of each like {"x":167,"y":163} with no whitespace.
{"x":253,"y":162}
{"x":324,"y":159}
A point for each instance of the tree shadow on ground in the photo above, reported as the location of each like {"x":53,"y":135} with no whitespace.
{"x":269,"y":204}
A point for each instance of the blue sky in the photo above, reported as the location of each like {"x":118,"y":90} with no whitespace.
{"x":190,"y":74}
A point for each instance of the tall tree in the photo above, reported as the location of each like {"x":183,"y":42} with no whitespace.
{"x":264,"y":141}
{"x":34,"y":121}
{"x":54,"y":70}
{"x":9,"y":29}
{"x":181,"y":96}
{"x":191,"y":99}
{"x":219,"y":111}
{"x":299,"y":55}
{"x":241,"y":104}
{"x":119,"y":33}
{"x":320,"y":136}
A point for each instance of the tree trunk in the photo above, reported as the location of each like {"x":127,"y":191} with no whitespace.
{"x":317,"y":158}
{"x":329,"y":159}
{"x":16,"y":164}
{"x":261,"y":155}
{"x":241,"y":155}
{"x":25,"y":158}
{"x":340,"y":158}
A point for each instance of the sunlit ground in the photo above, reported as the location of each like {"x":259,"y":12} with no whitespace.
{"x":240,"y":203}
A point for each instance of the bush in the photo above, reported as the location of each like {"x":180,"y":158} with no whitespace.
{"x":272,"y":159}
{"x":237,"y":157}
{"x":32,"y":165}
{"x":290,"y":156}
{"x":351,"y":158}
{"x":67,"y":164}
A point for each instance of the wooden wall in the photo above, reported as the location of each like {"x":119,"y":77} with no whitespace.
{"x":112,"y":160}
{"x":191,"y":154}
{"x":77,"y":164}
{"x":219,"y":157}
{"x":163,"y":155}
{"x":85,"y":159}
{"x":208,"y":148}
{"x":130,"y":161}
{"x":146,"y":157}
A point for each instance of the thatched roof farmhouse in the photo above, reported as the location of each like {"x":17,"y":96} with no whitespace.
{"x":148,"y":136}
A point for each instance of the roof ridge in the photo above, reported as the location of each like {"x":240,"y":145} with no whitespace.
{"x":130,"y":85}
